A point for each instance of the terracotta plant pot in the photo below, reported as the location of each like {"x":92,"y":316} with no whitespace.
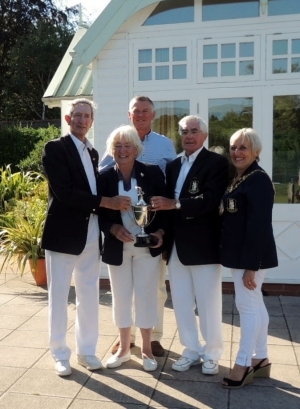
{"x":39,"y":272}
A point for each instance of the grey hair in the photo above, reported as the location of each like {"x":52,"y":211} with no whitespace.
{"x":251,"y":136}
{"x":81,"y":101}
{"x":141,"y":98}
{"x":129,"y":133}
{"x":202,"y":124}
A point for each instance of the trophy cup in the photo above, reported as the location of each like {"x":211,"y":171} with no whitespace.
{"x":143,"y":217}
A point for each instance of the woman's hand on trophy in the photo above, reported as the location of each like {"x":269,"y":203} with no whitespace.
{"x":159,"y":237}
{"x":119,"y":202}
{"x":161,"y":203}
{"x":121,"y":233}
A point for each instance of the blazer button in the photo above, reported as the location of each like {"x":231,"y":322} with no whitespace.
{"x":86,"y":218}
{"x":94,"y":210}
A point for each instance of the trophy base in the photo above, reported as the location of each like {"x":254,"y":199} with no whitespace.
{"x":145,"y":241}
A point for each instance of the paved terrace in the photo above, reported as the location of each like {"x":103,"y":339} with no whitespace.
{"x":28,"y":380}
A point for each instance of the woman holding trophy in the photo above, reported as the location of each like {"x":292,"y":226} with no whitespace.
{"x":133,"y":241}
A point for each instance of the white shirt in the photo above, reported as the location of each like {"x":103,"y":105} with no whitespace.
{"x":186,"y":164}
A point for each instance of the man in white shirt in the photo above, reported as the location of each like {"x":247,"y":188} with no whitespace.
{"x":196,"y":182}
{"x":71,"y":237}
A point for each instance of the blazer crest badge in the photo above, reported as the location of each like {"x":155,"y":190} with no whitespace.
{"x":231,"y":205}
{"x":194,"y":186}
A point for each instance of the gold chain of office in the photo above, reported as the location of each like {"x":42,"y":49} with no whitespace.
{"x":236,"y":182}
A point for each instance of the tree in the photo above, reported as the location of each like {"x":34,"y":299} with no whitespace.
{"x":17,"y":19}
{"x":35,"y":59}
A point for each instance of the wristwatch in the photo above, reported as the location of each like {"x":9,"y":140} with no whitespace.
{"x":177,"y":204}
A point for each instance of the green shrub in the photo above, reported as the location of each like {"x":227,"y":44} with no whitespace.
{"x":16,"y":144}
{"x":16,"y":186}
{"x":33,"y":162}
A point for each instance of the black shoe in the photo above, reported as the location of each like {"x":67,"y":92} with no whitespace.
{"x":246,"y":379}
{"x":157,"y":349}
{"x":262,"y":371}
{"x":116,"y":347}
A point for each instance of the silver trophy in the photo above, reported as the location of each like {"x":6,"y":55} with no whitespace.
{"x":143,"y":217}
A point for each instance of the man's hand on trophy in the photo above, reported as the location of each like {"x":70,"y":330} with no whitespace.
{"x":161,"y":203}
{"x":121,"y":233}
{"x":119,"y":202}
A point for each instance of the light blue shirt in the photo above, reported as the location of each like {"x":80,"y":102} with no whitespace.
{"x":157,"y":150}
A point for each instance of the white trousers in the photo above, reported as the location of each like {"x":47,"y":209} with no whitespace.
{"x":85,"y":269}
{"x":203,"y":284}
{"x":254,"y":318}
{"x":135,"y":282}
{"x":162,"y":296}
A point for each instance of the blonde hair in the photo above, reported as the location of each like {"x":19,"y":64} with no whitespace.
{"x":251,"y":136}
{"x":129,"y":133}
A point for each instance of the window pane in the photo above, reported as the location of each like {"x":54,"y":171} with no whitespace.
{"x":225,"y":116}
{"x":280,"y":47}
{"x":246,"y":67}
{"x":145,"y":73}
{"x":162,"y":73}
{"x":296,"y":46}
{"x":228,"y":50}
{"x":286,"y":148}
{"x":295,"y":65}
{"x":280,"y":66}
{"x":170,"y":12}
{"x":210,"y":51}
{"x":227,"y":69}
{"x":229,"y":9}
{"x":179,"y":72}
{"x":210,"y":70}
{"x":162,"y":55}
{"x":179,"y":54}
{"x":281,"y":7}
{"x":246,"y":49}
{"x":168,"y":114}
{"x":145,"y":56}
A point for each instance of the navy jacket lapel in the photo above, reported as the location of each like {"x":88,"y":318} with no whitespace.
{"x":75,"y":157}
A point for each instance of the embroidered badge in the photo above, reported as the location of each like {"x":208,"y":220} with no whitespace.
{"x":231,"y":206}
{"x":194,"y":186}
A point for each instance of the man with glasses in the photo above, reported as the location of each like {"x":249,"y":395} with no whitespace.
{"x":157,"y":150}
{"x":196,"y":182}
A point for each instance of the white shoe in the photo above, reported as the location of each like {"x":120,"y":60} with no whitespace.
{"x":63,"y":368}
{"x":210,"y":367}
{"x":90,"y":362}
{"x":115,"y":361}
{"x":149,"y":364}
{"x":183,"y":364}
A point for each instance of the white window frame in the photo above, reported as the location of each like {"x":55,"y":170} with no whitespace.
{"x":289,"y":56}
{"x":228,"y":40}
{"x":166,"y":43}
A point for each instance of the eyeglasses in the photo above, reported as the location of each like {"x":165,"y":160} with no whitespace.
{"x":185,"y":132}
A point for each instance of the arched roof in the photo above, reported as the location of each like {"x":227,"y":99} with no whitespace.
{"x":104,"y":27}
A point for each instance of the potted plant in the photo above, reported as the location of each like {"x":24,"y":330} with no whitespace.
{"x":20,"y":236}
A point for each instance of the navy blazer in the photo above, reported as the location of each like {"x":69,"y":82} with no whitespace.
{"x":196,"y":226}
{"x":152,"y":181}
{"x":247,"y":238}
{"x":71,"y":201}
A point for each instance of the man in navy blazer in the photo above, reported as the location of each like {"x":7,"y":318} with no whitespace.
{"x":71,"y":237}
{"x":196,"y":182}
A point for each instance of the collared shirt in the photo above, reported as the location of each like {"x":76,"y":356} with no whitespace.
{"x":86,"y":161}
{"x":126,"y":186}
{"x":158,"y":150}
{"x":186,"y":164}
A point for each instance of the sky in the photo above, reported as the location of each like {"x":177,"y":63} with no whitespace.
{"x":90,"y":7}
